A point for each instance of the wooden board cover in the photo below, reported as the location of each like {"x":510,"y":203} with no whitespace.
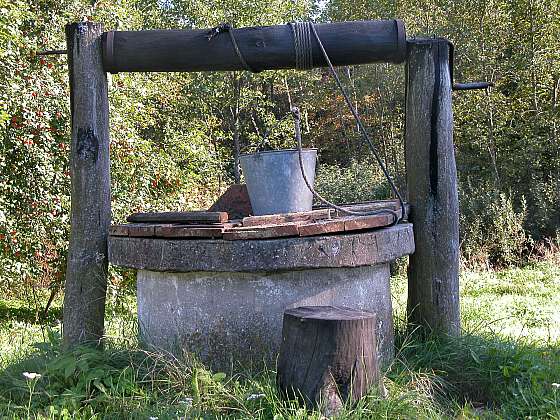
{"x":179,"y":217}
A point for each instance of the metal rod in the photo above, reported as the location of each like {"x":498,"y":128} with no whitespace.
{"x":472,"y":85}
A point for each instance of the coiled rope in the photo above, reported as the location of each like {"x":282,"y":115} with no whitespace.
{"x":302,"y":45}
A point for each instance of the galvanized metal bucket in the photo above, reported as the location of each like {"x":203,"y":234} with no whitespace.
{"x":275,"y":183}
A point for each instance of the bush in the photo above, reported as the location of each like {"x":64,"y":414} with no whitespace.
{"x":360,"y":181}
{"x":492,"y":232}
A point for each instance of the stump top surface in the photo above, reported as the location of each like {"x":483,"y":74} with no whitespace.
{"x":265,"y":255}
{"x":328,"y":313}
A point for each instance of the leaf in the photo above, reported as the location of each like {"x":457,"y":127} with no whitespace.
{"x":475,"y":357}
{"x":219,"y":376}
{"x":99,"y":385}
{"x":69,"y":368}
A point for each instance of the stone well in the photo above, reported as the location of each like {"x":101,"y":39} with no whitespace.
{"x":224,"y":300}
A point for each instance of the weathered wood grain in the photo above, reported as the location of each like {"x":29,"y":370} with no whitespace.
{"x":367,"y":222}
{"x":118,"y":230}
{"x":262,"y":232}
{"x":328,"y":356}
{"x":86,"y":273}
{"x":321,"y":227}
{"x":141,"y":230}
{"x":272,"y":219}
{"x":433,"y":274}
{"x":264,"y":48}
{"x":188,"y":232}
{"x":179,"y":217}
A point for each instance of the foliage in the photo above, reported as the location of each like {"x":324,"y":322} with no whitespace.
{"x":176,"y":138}
{"x":492,"y":230}
{"x":360,"y":181}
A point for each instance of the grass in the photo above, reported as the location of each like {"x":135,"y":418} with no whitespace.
{"x":505,"y":365}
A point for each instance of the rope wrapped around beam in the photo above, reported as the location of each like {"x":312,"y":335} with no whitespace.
{"x":303,"y":49}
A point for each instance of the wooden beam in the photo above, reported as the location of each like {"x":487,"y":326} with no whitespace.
{"x":271,"y":219}
{"x":433,"y":274}
{"x":264,"y":48}
{"x":86,"y":274}
{"x":179,"y":217}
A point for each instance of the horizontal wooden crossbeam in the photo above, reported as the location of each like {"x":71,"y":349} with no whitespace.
{"x":263,"y":48}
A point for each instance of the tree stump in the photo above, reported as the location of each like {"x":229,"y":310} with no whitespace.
{"x":328,"y":355}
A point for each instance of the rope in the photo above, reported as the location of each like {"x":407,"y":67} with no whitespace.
{"x":226,"y":27}
{"x":297,"y":119}
{"x":302,"y":45}
{"x":308,"y":29}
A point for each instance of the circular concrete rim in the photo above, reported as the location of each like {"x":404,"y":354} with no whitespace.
{"x":263,"y":255}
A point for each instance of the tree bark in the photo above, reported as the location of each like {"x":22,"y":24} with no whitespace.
{"x":328,"y":355}
{"x":86,"y":275}
{"x":433,"y":273}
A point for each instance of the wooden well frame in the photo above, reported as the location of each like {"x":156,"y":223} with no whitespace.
{"x":433,"y":274}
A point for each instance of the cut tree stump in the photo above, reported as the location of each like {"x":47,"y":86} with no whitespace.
{"x":328,"y":355}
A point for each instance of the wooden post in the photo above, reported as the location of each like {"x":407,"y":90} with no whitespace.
{"x":328,"y":355}
{"x":86,"y":275}
{"x":433,"y":273}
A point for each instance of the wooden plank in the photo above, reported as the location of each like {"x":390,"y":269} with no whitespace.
{"x":345,"y":224}
{"x":188,"y":232}
{"x":275,"y":219}
{"x":141,"y":231}
{"x":370,"y":206}
{"x":262,"y":232}
{"x":264,"y":47}
{"x":179,"y":217}
{"x":234,"y":201}
{"x":118,"y":230}
{"x":433,"y":273}
{"x":321,"y":227}
{"x":90,"y":216}
{"x":367,"y":222}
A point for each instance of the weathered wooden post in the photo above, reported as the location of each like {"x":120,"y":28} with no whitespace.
{"x":86,"y":275}
{"x":433,"y":274}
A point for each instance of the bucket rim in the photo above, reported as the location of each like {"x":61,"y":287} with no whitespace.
{"x":308,"y":149}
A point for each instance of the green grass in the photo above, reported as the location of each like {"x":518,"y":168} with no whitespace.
{"x":505,"y":365}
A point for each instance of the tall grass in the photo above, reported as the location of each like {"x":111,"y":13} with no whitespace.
{"x":489,"y":372}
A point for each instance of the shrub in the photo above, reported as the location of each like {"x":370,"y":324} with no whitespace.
{"x":492,"y":231}
{"x":360,"y":181}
